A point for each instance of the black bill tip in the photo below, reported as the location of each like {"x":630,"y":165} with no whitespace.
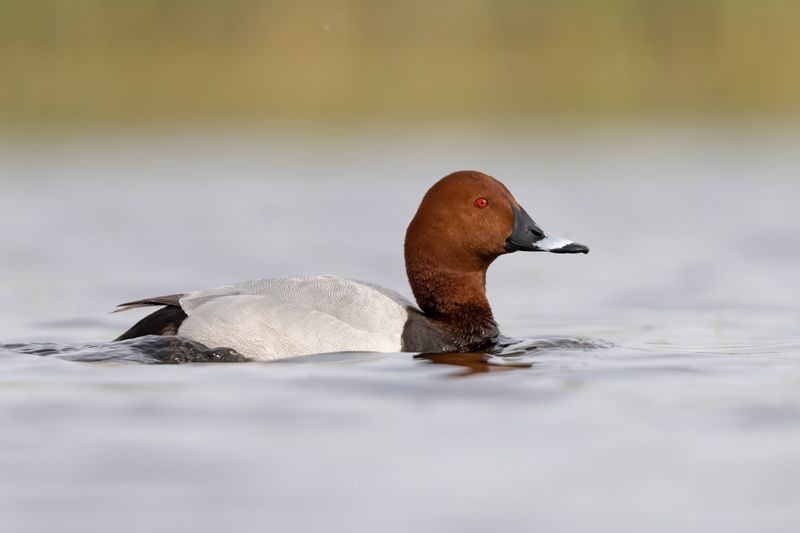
{"x":571,"y":248}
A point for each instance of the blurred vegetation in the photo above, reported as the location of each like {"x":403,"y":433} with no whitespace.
{"x":109,"y":61}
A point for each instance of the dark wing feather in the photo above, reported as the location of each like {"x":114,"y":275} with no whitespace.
{"x":165,"y":321}
{"x":173,"y":300}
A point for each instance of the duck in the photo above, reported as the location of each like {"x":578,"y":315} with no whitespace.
{"x":464,"y":222}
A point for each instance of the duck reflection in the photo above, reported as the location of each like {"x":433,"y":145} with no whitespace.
{"x":474,"y":362}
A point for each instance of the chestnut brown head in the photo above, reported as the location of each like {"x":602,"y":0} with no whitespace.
{"x":467,"y":219}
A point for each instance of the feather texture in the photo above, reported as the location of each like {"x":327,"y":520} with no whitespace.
{"x":285,"y":317}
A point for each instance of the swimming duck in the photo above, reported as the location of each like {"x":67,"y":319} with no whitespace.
{"x":465,"y":221}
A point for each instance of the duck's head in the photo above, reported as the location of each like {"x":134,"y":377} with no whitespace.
{"x":468,"y":219}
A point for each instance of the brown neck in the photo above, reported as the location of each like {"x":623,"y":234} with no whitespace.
{"x":455,"y":300}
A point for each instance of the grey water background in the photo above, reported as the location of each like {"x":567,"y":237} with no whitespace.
{"x":656,"y":386}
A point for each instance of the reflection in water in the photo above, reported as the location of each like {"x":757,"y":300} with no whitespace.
{"x":507,"y":346}
{"x":507,"y":354}
{"x":147,"y":350}
{"x":510,"y":353}
{"x":474,"y":362}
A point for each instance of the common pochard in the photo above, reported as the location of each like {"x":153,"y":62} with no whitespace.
{"x":465,"y":221}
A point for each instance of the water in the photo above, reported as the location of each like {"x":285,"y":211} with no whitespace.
{"x":653,"y":385}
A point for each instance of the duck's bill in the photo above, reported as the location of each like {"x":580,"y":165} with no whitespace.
{"x":528,"y":237}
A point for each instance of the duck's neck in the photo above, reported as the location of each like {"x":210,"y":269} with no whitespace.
{"x":455,"y":300}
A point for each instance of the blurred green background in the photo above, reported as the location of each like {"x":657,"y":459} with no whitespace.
{"x":71,"y":63}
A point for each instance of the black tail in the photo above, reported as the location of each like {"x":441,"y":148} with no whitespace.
{"x":165,"y":321}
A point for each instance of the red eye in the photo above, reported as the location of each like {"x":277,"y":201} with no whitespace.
{"x":481,"y":202}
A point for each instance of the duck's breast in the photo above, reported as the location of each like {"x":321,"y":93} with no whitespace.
{"x":285,"y":317}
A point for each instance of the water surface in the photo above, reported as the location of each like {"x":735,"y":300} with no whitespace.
{"x":653,"y":385}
